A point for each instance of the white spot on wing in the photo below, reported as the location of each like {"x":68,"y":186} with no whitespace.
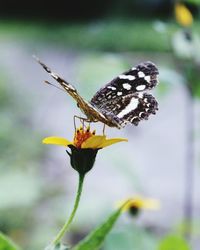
{"x":111,"y":87}
{"x":54,"y":75}
{"x":140,"y":114}
{"x":141,"y":74}
{"x":140,"y":95}
{"x":127,"y":77}
{"x":127,"y":86}
{"x":147,"y":78}
{"x":119,"y":93}
{"x":108,"y":93}
{"x":140,"y":87}
{"x":70,"y":86}
{"x":135,"y":117}
{"x":131,"y":106}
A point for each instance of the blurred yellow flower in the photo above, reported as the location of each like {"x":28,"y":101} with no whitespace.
{"x":134,"y":205}
{"x":183,"y":15}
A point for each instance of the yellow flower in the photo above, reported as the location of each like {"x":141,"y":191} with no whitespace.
{"x":183,"y":15}
{"x":134,"y":205}
{"x":84,"y":147}
{"x":84,"y":139}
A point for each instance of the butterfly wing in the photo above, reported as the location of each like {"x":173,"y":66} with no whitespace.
{"x":87,"y":108}
{"x":124,"y":99}
{"x":131,"y":108}
{"x":120,"y":101}
{"x":140,"y":78}
{"x":67,"y":86}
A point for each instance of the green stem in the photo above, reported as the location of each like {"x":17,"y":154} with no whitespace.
{"x":69,"y":221}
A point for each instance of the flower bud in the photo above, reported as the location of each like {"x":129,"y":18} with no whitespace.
{"x":82,"y":159}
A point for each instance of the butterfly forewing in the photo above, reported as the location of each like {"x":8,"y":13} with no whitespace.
{"x":91,"y":112}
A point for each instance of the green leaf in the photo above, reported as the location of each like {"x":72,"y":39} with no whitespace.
{"x":6,"y":243}
{"x":95,"y":239}
{"x":174,"y":242}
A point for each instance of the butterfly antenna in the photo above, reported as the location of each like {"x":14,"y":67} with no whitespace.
{"x":49,"y":83}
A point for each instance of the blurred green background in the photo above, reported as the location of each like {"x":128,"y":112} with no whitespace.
{"x":89,"y":43}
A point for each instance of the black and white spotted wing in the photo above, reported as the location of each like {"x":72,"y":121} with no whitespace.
{"x":138,"y":79}
{"x":121,"y":101}
{"x":131,"y":108}
{"x":124,"y":99}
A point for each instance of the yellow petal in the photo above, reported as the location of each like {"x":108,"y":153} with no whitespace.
{"x":57,"y":141}
{"x":94,"y":141}
{"x":183,"y":15}
{"x":150,"y":204}
{"x":109,"y":142}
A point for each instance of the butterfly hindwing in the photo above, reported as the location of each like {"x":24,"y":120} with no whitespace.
{"x":131,"y":108}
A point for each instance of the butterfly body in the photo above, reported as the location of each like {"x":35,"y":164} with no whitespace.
{"x":121,"y":101}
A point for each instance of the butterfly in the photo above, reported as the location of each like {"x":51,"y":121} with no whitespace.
{"x":121,"y":101}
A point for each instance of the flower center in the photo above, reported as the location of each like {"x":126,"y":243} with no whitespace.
{"x":82,"y":135}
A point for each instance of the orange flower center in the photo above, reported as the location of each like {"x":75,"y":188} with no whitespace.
{"x":82,"y":135}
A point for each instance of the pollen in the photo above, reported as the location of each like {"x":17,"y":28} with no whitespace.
{"x":81,"y":135}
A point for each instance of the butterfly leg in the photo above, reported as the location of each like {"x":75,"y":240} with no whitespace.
{"x":81,"y":119}
{"x":83,"y":123}
{"x":74,"y":119}
{"x":104,"y":128}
